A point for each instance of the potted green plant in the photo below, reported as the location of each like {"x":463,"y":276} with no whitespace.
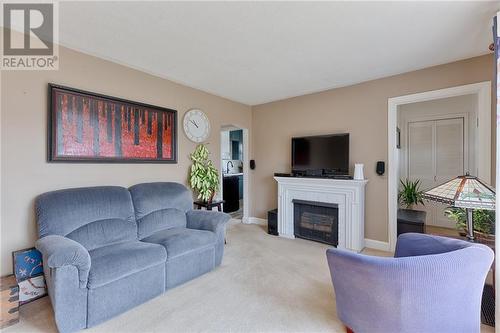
{"x":410,"y":194}
{"x":203,"y":177}
{"x":483,"y":221}
{"x":409,"y":219}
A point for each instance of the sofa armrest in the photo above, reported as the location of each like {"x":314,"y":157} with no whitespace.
{"x":211,"y":221}
{"x":207,"y":220}
{"x":59,"y":251}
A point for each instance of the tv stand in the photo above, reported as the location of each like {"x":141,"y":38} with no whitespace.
{"x":327,"y":176}
{"x":337,"y":176}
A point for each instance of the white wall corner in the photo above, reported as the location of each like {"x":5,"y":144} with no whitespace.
{"x":377,"y":245}
{"x":255,"y":220}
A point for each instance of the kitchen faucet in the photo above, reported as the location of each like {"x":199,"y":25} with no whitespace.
{"x":227,"y":166}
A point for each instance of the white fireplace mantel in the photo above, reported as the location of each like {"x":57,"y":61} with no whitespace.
{"x":348,"y":194}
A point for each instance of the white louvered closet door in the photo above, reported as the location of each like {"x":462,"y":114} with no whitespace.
{"x":436,"y":155}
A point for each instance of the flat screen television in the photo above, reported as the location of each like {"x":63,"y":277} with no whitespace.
{"x":321,"y":155}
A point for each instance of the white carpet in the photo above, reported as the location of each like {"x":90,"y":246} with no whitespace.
{"x":265,"y":284}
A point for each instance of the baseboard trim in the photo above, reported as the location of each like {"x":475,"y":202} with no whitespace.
{"x":256,"y":220}
{"x":376,"y":245}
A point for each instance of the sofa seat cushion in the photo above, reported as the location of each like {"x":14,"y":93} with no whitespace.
{"x":113,"y":262}
{"x":180,"y":241}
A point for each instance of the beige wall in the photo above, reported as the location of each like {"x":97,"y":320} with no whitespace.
{"x":360,"y":110}
{"x":25,"y":172}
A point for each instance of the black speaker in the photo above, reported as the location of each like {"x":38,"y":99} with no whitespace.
{"x":272,"y":222}
{"x":380,"y":168}
{"x":252,"y":164}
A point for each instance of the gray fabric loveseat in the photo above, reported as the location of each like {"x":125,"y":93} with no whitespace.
{"x":108,"y":249}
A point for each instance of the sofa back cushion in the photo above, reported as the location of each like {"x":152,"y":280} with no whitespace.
{"x":160,"y":206}
{"x":91,"y":216}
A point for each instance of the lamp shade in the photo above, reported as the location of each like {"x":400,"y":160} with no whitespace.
{"x":464,"y":192}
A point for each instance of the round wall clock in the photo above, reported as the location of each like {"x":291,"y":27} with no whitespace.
{"x":196,"y":125}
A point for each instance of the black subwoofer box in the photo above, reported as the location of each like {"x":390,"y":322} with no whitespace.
{"x":272,"y":222}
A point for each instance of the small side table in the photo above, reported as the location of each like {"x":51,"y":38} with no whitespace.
{"x":411,"y":221}
{"x":209,"y":205}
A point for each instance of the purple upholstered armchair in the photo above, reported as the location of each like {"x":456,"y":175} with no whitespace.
{"x":433,"y":284}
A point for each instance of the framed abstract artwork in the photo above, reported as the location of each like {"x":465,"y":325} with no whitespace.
{"x":89,"y":127}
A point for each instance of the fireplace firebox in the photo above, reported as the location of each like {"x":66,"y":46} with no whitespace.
{"x":317,"y":221}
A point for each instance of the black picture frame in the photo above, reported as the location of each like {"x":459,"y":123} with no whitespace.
{"x":53,"y":122}
{"x":35,"y":270}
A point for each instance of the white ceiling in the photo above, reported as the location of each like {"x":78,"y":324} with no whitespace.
{"x":256,"y":52}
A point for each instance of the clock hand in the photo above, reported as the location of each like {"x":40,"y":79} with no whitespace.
{"x":194,"y":123}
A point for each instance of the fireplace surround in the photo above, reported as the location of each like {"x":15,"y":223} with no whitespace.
{"x":347,"y":194}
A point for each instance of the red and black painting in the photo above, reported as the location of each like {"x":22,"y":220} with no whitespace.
{"x":88,"y":127}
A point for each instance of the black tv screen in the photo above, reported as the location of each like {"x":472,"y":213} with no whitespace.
{"x":329,"y":153}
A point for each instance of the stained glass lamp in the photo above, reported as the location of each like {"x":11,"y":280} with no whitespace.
{"x":464,"y":192}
